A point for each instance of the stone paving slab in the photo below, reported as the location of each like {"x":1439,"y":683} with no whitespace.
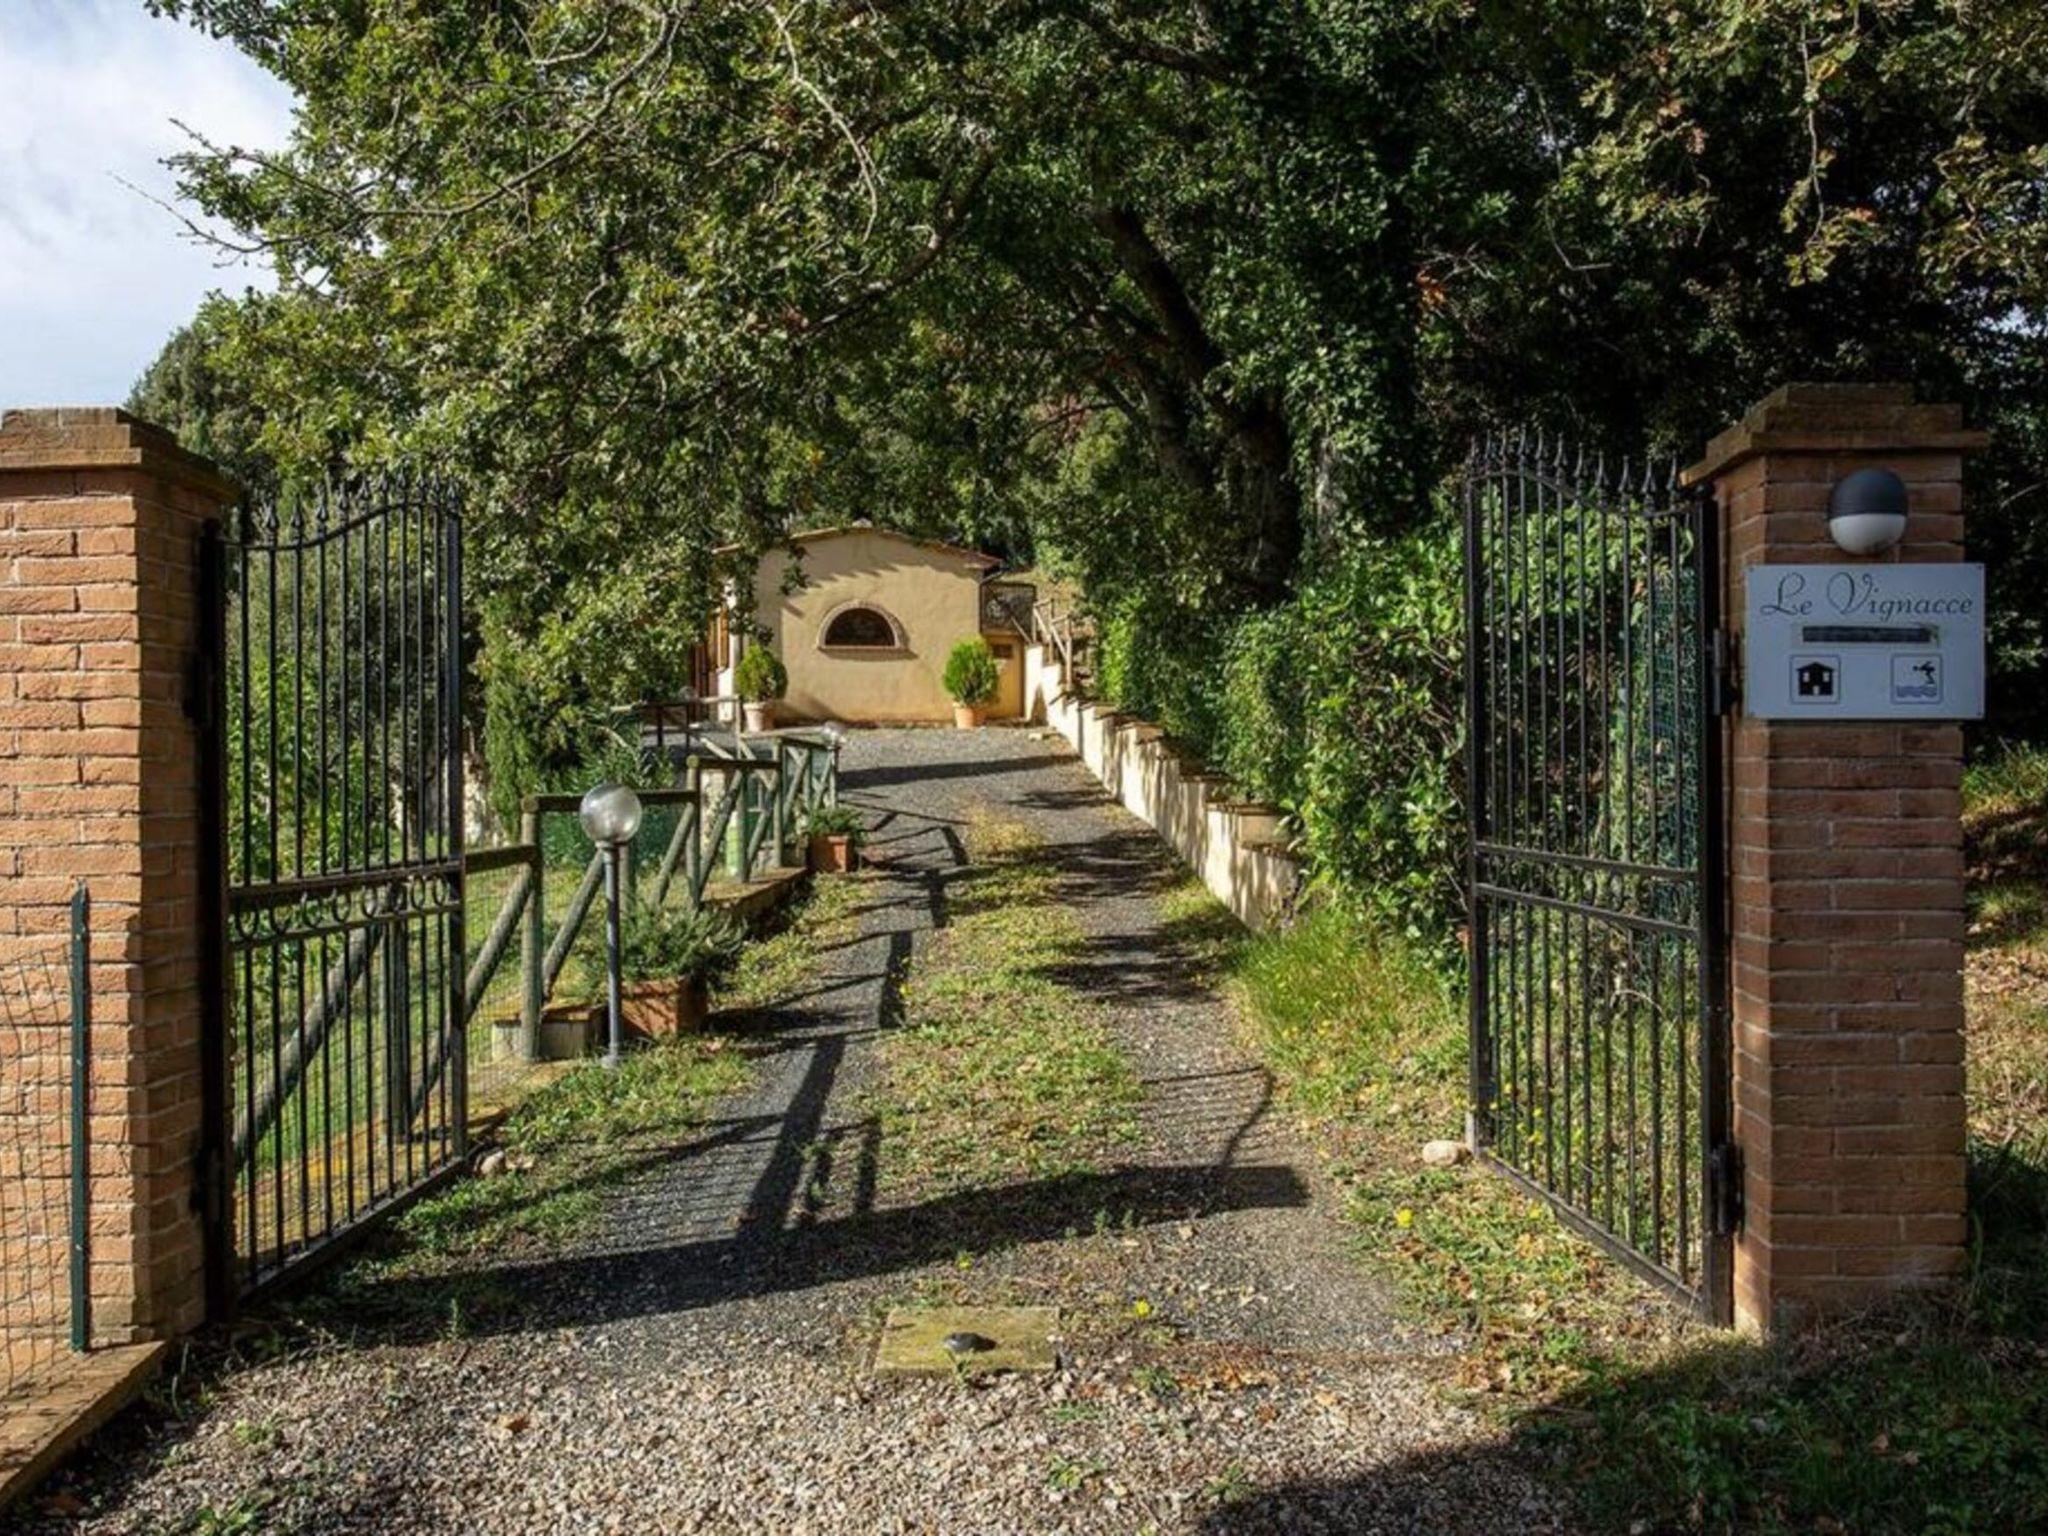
{"x":52,"y":1416}
{"x":914,"y":1340}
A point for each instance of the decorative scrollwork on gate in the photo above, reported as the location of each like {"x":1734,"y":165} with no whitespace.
{"x":340,"y":720}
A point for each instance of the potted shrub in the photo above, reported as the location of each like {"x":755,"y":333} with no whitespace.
{"x":971,"y":679}
{"x":667,"y":963}
{"x":836,"y":833}
{"x":760,"y":679}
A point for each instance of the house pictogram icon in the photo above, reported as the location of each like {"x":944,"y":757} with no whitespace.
{"x":1815,"y":680}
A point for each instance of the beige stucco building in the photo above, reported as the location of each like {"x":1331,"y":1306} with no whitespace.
{"x":864,"y":618}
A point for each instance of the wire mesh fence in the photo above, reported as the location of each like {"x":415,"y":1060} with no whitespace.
{"x":43,"y":1078}
{"x":497,"y":1060}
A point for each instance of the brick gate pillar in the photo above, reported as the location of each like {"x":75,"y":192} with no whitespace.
{"x":100,"y":517}
{"x":1846,"y":882}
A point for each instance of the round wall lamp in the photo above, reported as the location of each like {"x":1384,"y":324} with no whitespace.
{"x":1867,"y":511}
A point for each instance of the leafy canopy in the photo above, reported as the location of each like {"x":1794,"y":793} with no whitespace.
{"x":1189,"y":303}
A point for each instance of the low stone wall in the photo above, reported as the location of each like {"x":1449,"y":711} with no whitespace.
{"x":1234,"y":845}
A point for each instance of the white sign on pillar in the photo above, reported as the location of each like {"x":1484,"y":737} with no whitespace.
{"x":1865,"y":642}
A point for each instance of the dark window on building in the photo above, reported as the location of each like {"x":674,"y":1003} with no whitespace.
{"x":861,"y":628}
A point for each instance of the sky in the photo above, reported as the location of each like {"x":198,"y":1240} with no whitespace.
{"x":93,"y":275}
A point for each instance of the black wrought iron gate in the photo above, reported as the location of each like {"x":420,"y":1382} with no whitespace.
{"x":337,"y":1051}
{"x":1599,"y":1028}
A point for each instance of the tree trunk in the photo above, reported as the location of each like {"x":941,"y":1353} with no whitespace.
{"x":1258,"y":482}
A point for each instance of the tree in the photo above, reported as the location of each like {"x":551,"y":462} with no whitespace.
{"x":193,"y":389}
{"x":1191,"y":298}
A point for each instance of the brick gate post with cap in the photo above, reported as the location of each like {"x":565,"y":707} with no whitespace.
{"x":1846,"y":894}
{"x":101,"y":782}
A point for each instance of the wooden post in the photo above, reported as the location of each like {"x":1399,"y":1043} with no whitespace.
{"x":532,"y":943}
{"x":742,"y":823}
{"x":693,"y":856}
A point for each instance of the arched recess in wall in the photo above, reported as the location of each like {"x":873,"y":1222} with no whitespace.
{"x":859,"y":626}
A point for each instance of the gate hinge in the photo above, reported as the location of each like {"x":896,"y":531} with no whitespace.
{"x":1724,"y":1189}
{"x":1721,"y":671}
{"x":206,"y":1198}
{"x":198,"y":700}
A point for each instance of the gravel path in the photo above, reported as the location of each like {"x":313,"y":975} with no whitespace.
{"x":700,"y":1363}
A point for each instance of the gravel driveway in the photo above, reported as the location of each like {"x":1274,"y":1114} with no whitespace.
{"x":700,"y":1362}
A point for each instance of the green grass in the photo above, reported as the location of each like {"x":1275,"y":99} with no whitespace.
{"x":568,"y":1144}
{"x":2005,"y":821}
{"x":1369,"y":1047}
{"x":571,"y":1142}
{"x":1001,"y":1071}
{"x":1931,"y":1417}
{"x":782,"y":963}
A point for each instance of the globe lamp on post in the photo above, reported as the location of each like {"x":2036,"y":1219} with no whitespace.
{"x":610,"y":814}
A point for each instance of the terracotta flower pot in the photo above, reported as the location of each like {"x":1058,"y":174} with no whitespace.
{"x":967,"y":717}
{"x":833,"y":853}
{"x":673,"y":1005}
{"x":761,"y":716}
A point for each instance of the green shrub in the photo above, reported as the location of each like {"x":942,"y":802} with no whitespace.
{"x":606,"y":757}
{"x":760,"y":676}
{"x":1343,"y":705}
{"x":557,"y":691}
{"x":837,"y":821}
{"x":1376,"y":676}
{"x":655,"y":945}
{"x":1158,"y":658}
{"x":1262,"y":739}
{"x":971,"y":672}
{"x":534,"y":728}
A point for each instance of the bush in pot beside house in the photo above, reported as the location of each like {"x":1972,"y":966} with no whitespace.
{"x":971,"y":679}
{"x":760,"y":680}
{"x":836,"y":833}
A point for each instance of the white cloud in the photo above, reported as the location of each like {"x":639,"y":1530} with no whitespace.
{"x":93,"y":275}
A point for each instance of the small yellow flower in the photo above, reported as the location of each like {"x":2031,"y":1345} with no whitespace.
{"x":1404,"y":1218}
{"x":1141,"y":1308}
